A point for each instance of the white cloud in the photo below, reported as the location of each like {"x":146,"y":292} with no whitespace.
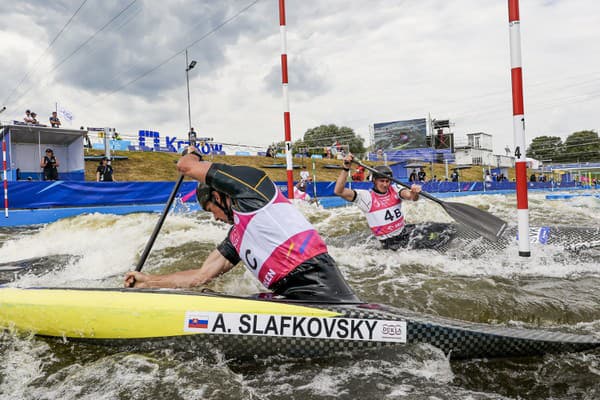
{"x":351,"y":62}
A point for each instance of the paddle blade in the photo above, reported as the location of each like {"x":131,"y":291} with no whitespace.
{"x":486,"y":224}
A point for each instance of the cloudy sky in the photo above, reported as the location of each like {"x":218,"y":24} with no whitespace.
{"x":351,"y":62}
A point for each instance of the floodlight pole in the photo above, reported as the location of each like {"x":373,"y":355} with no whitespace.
{"x":188,"y":67}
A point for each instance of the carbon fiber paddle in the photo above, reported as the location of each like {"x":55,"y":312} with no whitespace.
{"x":482,"y":222}
{"x":161,"y":220}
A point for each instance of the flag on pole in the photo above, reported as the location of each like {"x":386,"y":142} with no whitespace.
{"x":66,"y":114}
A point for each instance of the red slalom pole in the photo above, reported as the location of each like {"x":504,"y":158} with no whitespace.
{"x":286,"y":101}
{"x":516,"y":74}
{"x":5,"y":177}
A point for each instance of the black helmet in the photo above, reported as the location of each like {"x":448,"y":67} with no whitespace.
{"x":383,"y":171}
{"x":203,"y":194}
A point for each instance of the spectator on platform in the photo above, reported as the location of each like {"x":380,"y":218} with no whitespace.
{"x":87,"y":143}
{"x":454,"y":176}
{"x":50,"y":165}
{"x":54,"y":121}
{"x":104,"y":172}
{"x":34,"y":118}
{"x":28,"y":119}
{"x":421,"y":175}
{"x":413,"y":176}
{"x":118,"y":137}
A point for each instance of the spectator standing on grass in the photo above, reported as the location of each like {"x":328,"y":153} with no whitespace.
{"x":454,"y":176}
{"x":104,"y":172}
{"x":421,"y":175}
{"x":413,"y":176}
{"x":488,"y":177}
{"x":304,"y":175}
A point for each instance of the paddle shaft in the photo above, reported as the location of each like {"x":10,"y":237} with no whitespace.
{"x":161,"y":220}
{"x":159,"y":224}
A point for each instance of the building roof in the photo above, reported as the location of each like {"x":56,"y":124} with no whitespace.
{"x":42,"y":134}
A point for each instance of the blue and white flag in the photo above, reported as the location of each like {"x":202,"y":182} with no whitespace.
{"x":66,"y":114}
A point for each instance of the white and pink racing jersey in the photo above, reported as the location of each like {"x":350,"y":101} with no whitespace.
{"x":274,"y":239}
{"x":383,"y":211}
{"x":300,"y":195}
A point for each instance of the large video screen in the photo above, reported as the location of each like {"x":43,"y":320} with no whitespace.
{"x":399,"y":135}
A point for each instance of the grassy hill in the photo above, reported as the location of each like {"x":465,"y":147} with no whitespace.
{"x":158,"y":166}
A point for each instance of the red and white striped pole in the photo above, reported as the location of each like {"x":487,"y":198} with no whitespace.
{"x":286,"y":101}
{"x":5,"y":177}
{"x":516,"y":73}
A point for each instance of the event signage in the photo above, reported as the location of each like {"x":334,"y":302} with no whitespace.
{"x":172,"y":144}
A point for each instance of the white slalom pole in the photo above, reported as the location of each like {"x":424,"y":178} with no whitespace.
{"x":286,"y":101}
{"x":516,"y":73}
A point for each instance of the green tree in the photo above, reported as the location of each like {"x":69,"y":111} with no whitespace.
{"x":582,"y":146}
{"x":545,"y":148}
{"x":325,"y":135}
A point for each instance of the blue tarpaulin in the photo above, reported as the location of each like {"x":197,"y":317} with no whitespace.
{"x":25,"y":194}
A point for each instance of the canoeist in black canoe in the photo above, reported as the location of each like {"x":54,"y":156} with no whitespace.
{"x":274,"y":240}
{"x":382,"y":206}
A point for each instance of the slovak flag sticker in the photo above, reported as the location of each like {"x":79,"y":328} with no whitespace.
{"x":195,"y":322}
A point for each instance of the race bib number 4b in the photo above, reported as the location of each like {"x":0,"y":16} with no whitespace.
{"x":295,"y":326}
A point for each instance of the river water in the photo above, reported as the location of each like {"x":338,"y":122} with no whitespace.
{"x":553,"y":289}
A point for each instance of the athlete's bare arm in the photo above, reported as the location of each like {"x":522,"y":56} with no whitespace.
{"x":214,"y":265}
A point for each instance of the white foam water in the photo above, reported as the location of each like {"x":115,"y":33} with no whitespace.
{"x":554,"y":287}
